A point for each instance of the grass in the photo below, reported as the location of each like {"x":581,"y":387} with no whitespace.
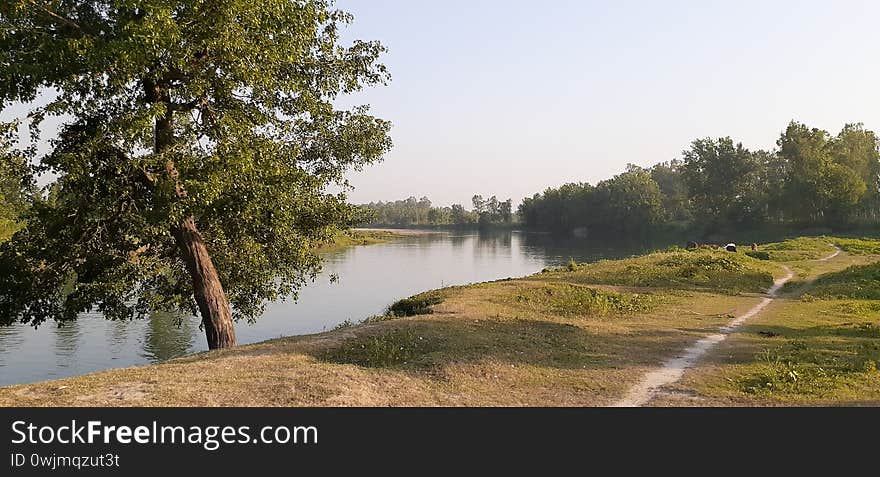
{"x":817,"y":345}
{"x":817,"y":353}
{"x":700,"y":269}
{"x":858,"y":246}
{"x":758,"y":254}
{"x":859,"y":281}
{"x":384,"y":351}
{"x":801,"y":248}
{"x":566,"y":299}
{"x":574,"y":336}
{"x":480,"y":347}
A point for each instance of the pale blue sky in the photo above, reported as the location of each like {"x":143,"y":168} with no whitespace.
{"x":510,"y":97}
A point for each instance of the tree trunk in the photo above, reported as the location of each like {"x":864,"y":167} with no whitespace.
{"x":207,"y":288}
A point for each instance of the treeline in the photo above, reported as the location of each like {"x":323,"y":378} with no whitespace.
{"x":811,"y":179}
{"x":420,"y":212}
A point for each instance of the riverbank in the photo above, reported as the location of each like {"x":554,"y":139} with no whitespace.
{"x":581,"y":335}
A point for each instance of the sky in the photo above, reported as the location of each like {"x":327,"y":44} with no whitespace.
{"x":509,"y":97}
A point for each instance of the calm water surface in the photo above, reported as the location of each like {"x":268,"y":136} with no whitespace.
{"x":370,"y":278}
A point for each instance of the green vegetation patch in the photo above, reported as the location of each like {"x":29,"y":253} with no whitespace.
{"x":350,"y":238}
{"x":420,"y":304}
{"x":862,"y":246}
{"x":715,"y":270}
{"x":759,"y":255}
{"x":799,"y":368}
{"x":859,"y":282}
{"x":801,"y":248}
{"x":7,"y":229}
{"x":574,"y":300}
{"x":856,"y":307}
{"x":392,"y":349}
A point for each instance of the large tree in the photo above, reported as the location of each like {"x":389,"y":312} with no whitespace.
{"x":721,"y":177}
{"x":826,"y":176}
{"x":198,"y":165}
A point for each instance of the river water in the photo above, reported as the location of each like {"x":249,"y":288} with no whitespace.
{"x":369,"y":279}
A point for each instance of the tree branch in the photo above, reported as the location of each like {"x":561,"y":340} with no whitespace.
{"x":56,"y":16}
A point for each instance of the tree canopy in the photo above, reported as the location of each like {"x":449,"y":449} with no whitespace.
{"x":812,"y":179}
{"x":199,"y":160}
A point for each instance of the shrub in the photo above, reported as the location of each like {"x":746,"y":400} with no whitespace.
{"x":759,"y":254}
{"x":418,"y":305}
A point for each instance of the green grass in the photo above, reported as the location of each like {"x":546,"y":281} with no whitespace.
{"x":860,"y":246}
{"x":701,"y":269}
{"x":860,"y":281}
{"x":759,"y":254}
{"x":392,"y":349}
{"x":832,"y":353}
{"x":574,"y":300}
{"x":802,"y":248}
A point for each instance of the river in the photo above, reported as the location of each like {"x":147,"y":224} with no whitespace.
{"x":369,"y":279}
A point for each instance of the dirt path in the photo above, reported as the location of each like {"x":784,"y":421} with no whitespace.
{"x":671,"y":371}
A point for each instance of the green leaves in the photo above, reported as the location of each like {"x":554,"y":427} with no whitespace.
{"x":245,"y":91}
{"x":831,"y":175}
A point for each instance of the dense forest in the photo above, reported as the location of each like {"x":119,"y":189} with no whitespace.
{"x":420,"y":212}
{"x":812,"y":179}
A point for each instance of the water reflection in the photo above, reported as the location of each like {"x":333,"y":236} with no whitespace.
{"x":370,"y":278}
{"x":169,"y":336}
{"x":66,"y":341}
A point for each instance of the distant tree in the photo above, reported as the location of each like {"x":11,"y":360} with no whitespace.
{"x":193,"y":171}
{"x":674,"y":190}
{"x":719,"y":175}
{"x":857,"y":149}
{"x":479,"y":204}
{"x":630,"y":203}
{"x":812,"y":179}
{"x":821,"y":184}
{"x":460,"y":216}
{"x":506,"y":211}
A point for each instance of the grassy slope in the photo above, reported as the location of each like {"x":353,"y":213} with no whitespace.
{"x":817,"y":345}
{"x":578,"y":336}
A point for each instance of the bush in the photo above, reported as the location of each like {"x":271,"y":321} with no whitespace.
{"x":759,"y":254}
{"x":417,"y":305}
